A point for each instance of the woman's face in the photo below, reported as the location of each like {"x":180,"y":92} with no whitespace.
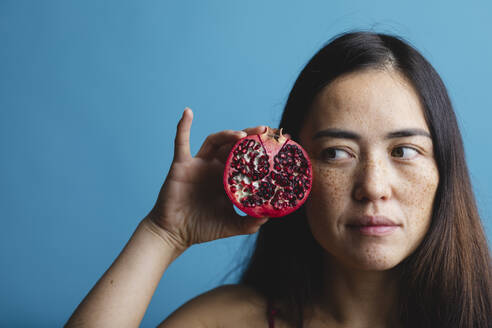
{"x":375,"y":176}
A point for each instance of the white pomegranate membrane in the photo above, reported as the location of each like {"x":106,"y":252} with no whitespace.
{"x":267,"y":175}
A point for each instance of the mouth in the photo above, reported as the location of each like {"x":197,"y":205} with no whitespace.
{"x":373,"y":225}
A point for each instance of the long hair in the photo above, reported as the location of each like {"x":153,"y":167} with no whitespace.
{"x":447,"y":280}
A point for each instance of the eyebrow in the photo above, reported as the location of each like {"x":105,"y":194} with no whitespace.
{"x":345,"y":134}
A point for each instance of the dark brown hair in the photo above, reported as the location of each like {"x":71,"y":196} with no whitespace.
{"x":447,"y":281}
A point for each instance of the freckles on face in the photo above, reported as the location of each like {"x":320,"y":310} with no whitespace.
{"x":330,"y":189}
{"x":369,"y":164}
{"x":417,"y":192}
{"x":332,"y":203}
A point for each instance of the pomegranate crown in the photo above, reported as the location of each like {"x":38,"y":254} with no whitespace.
{"x":276,"y":134}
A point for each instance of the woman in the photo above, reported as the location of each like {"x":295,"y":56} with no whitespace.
{"x":389,"y":237}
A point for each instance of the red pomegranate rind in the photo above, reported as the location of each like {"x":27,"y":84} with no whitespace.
{"x":267,"y":175}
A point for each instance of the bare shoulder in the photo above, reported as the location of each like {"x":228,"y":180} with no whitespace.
{"x":224,"y":306}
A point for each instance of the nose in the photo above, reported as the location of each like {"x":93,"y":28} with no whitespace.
{"x":372,"y":181}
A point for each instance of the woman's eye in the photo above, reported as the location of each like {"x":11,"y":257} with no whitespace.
{"x":331,"y":154}
{"x":404,"y":152}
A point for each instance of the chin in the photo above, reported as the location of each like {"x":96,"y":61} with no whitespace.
{"x":370,"y":259}
{"x":377,"y":265}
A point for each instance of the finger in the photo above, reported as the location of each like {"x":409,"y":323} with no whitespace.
{"x":248,"y":224}
{"x":256,"y":130}
{"x":182,"y":139}
{"x":217,"y":140}
{"x":223,"y":152}
{"x":251,"y":224}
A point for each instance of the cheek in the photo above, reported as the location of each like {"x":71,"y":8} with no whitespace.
{"x":331,"y":192}
{"x":417,"y":195}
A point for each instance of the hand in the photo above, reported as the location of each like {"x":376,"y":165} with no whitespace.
{"x":192,"y":206}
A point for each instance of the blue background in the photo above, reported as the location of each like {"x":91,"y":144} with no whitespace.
{"x":90,"y":94}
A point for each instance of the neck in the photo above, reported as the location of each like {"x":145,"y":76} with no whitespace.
{"x":357,"y":298}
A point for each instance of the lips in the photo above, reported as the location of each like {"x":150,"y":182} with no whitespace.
{"x":373,"y":225}
{"x":369,"y":220}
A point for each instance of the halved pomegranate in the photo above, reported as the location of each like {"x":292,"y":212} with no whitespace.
{"x":267,"y":175}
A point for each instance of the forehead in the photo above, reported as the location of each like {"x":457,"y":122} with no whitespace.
{"x":369,"y":101}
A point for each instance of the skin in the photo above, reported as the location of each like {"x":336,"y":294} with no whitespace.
{"x":371,"y":175}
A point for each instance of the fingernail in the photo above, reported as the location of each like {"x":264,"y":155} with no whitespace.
{"x":242,"y":134}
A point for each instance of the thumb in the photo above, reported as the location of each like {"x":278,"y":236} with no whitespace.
{"x":182,"y":139}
